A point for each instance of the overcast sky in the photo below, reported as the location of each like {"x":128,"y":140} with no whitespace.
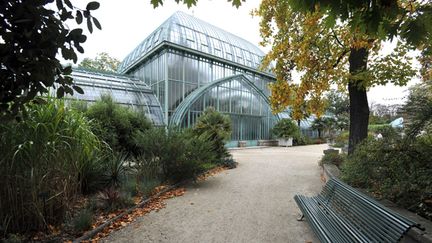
{"x":126,"y":23}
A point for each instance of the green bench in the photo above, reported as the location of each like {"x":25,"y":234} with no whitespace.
{"x":342,"y":214}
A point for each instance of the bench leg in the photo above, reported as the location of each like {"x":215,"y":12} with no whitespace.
{"x":301,"y":217}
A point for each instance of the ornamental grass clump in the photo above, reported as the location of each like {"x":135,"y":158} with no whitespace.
{"x":42,"y":163}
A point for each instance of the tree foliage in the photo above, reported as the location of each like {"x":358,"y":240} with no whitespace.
{"x":409,"y":20}
{"x":418,"y":109}
{"x":342,"y":47}
{"x":304,"y":42}
{"x":337,"y":103}
{"x":190,"y":3}
{"x":32,"y":33}
{"x":426,"y":66}
{"x":337,"y":106}
{"x":102,"y":62}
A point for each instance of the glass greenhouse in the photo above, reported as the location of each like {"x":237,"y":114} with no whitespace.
{"x":127,"y":91}
{"x":189,"y":65}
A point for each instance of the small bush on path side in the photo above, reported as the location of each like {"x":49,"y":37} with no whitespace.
{"x":333,"y":158}
{"x":396,"y":169}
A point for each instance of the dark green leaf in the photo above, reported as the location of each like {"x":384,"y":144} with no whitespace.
{"x":60,"y":92}
{"x":156,"y":3}
{"x":96,"y":22}
{"x":89,"y":25}
{"x":68,"y":80}
{"x":67,"y":70}
{"x":68,"y":3}
{"x":92,"y":6}
{"x":75,"y":32}
{"x":86,"y":13}
{"x":235,"y":3}
{"x":79,"y":48}
{"x":68,"y":90}
{"x":78,"y":89}
{"x":190,"y":3}
{"x":79,"y":17}
{"x":59,"y":4}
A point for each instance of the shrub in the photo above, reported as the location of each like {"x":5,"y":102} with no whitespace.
{"x":341,"y":140}
{"x":302,"y":140}
{"x":396,"y":169}
{"x":333,"y":158}
{"x":42,"y":158}
{"x":216,"y":128}
{"x":376,"y":127}
{"x":83,"y":221}
{"x":116,"y":125}
{"x":286,"y":128}
{"x":190,"y":152}
{"x":178,"y":154}
{"x":388,"y":132}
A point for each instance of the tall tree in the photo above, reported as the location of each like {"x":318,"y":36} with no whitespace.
{"x":418,"y":109}
{"x":32,"y":33}
{"x":340,"y":42}
{"x":337,"y":103}
{"x":102,"y":62}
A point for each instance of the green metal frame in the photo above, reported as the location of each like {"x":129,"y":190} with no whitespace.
{"x":184,"y":107}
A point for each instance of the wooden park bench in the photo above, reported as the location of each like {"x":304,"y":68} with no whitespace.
{"x":342,"y":214}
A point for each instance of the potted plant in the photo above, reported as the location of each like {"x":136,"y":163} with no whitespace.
{"x":284,"y":131}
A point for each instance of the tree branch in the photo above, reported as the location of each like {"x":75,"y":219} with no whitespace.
{"x":340,"y":57}
{"x":337,"y":39}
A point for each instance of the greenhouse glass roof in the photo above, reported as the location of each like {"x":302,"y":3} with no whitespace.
{"x":187,"y":31}
{"x":125,"y":90}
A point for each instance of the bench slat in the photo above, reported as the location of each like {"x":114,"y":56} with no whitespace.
{"x":375,"y":223}
{"x":342,"y":214}
{"x":364,"y":217}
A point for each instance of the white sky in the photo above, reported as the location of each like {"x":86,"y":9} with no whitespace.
{"x":126,"y":23}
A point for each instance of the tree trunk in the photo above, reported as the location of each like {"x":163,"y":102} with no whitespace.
{"x":298,"y":123}
{"x":359,"y":107}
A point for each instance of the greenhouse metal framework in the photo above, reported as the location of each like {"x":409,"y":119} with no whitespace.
{"x":185,"y":66}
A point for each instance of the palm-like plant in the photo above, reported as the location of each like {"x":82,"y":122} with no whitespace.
{"x":322,"y":124}
{"x":286,"y":128}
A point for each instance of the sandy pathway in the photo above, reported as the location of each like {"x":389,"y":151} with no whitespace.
{"x":252,"y":203}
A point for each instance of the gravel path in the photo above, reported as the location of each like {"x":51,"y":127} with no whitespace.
{"x":252,"y":203}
